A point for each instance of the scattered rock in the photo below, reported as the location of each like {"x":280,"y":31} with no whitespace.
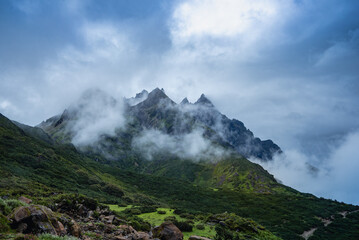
{"x":109,"y":228}
{"x":75,"y":229}
{"x":25,"y":200}
{"x":60,"y":229}
{"x":109,"y":219}
{"x":120,"y":238}
{"x":89,"y":214}
{"x":198,"y":238}
{"x":126,"y":230}
{"x":167,"y":231}
{"x":142,"y":236}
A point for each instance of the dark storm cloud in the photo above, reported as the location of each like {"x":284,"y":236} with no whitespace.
{"x":287,"y":69}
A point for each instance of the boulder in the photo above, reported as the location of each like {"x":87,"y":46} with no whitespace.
{"x":34,"y":219}
{"x":194,"y":237}
{"x":167,"y":231}
{"x":75,"y":228}
{"x":109,"y":219}
{"x":60,"y":229}
{"x":120,"y":238}
{"x":142,"y":236}
{"x":127,"y":230}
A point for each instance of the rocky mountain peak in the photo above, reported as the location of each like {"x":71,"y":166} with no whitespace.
{"x":203,"y":100}
{"x":140,"y":97}
{"x":142,"y":94}
{"x":156,"y":95}
{"x":185,"y":101}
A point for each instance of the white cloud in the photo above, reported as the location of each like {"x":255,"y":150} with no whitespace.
{"x":335,"y":179}
{"x":190,"y":145}
{"x":7,"y":107}
{"x":241,"y":27}
{"x":97,"y":114}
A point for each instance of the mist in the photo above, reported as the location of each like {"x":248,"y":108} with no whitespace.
{"x":191,"y":146}
{"x":335,"y":180}
{"x":95,"y":114}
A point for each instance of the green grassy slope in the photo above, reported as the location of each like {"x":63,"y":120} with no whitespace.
{"x":32,"y":167}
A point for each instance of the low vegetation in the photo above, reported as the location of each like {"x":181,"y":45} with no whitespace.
{"x":48,"y":173}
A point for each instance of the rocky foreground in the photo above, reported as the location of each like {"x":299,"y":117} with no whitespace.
{"x":84,"y":220}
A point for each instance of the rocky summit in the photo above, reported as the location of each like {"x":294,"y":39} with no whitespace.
{"x":155,"y":110}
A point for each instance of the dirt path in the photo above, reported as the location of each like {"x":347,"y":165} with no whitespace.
{"x":345,"y":213}
{"x":327,"y":221}
{"x":307,"y":234}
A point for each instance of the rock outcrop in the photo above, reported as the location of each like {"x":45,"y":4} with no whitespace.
{"x":167,"y":231}
{"x":37,"y":219}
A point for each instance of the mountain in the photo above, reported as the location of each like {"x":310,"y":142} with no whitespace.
{"x":158,"y":136}
{"x":155,"y":110}
{"x":35,"y":132}
{"x":46,"y":172}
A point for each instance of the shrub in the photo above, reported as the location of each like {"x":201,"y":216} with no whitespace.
{"x":222,"y":233}
{"x":143,"y":200}
{"x":113,"y":190}
{"x":53,"y":237}
{"x":170,"y":219}
{"x":13,"y":203}
{"x":4,"y":224}
{"x":161,"y":212}
{"x":187,"y":215}
{"x":4,"y":208}
{"x":184,"y":226}
{"x":26,"y":237}
{"x":140,"y":225}
{"x":133,"y":211}
{"x":200,"y":226}
{"x":177,"y":211}
{"x":96,"y":214}
{"x":147,"y":209}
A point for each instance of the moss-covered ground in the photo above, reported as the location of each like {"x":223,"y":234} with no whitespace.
{"x":161,"y":214}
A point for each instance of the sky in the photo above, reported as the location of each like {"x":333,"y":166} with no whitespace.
{"x":288,"y":69}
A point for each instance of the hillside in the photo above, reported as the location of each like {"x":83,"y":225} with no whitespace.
{"x":157,"y":136}
{"x":37,"y":169}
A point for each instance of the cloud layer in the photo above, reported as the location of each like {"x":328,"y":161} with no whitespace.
{"x":95,"y":114}
{"x":191,"y":145}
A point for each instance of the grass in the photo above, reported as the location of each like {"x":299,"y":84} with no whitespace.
{"x":37,"y":169}
{"x":52,"y":237}
{"x":114,"y":207}
{"x":208,"y":232}
{"x":156,"y":219}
